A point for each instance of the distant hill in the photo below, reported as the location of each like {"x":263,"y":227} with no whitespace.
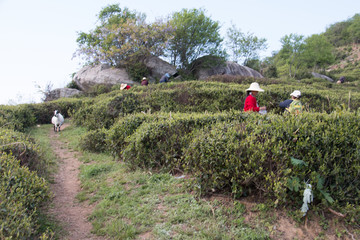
{"x":344,"y":33}
{"x":345,"y":37}
{"x":349,"y":55}
{"x":347,"y":62}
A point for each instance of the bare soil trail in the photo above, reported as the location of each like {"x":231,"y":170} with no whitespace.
{"x":65,"y":207}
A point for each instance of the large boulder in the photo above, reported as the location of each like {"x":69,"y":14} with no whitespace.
{"x":61,"y":93}
{"x":158,"y":67}
{"x":318,"y":75}
{"x":208,"y":66}
{"x":89,"y":76}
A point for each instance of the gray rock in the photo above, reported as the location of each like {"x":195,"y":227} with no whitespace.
{"x":208,"y":66}
{"x":89,"y":76}
{"x":318,"y":75}
{"x":158,"y":67}
{"x":61,"y":93}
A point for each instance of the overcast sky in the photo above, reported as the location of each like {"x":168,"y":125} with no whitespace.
{"x":38,"y":37}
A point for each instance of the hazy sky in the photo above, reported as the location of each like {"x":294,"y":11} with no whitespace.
{"x":38,"y":37}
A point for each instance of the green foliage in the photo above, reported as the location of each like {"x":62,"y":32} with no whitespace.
{"x":105,"y":111}
{"x":354,"y":29}
{"x":73,"y":85}
{"x":194,"y":96}
{"x":195,"y":35}
{"x":345,"y":32}
{"x":263,"y":153}
{"x":137,"y":68}
{"x":116,"y":138}
{"x":17,"y":117}
{"x":122,"y":35}
{"x":99,"y":89}
{"x":21,"y":194}
{"x":244,"y":46}
{"x":318,"y":52}
{"x":160,"y":143}
{"x":292,"y":48}
{"x":93,"y":141}
{"x":24,"y":116}
{"x":25,"y":149}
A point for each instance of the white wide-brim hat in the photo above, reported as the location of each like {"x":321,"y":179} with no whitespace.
{"x":123,"y":86}
{"x":296,"y":94}
{"x":254,"y":87}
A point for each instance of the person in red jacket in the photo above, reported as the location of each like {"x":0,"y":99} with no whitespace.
{"x":124,"y":86}
{"x":250,"y":101}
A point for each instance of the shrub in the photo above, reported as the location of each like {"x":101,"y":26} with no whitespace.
{"x":276,"y":155}
{"x":116,"y":139}
{"x":21,"y":194}
{"x":25,"y":149}
{"x":105,"y":111}
{"x":94,"y":141}
{"x":160,"y":143}
{"x":17,"y":117}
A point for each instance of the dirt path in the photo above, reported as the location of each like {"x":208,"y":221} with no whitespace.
{"x":65,"y":208}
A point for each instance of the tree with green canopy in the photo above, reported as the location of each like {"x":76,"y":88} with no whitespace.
{"x":196,"y":35}
{"x":244,"y":46}
{"x":291,"y":52}
{"x":318,"y":52}
{"x":123,"y":35}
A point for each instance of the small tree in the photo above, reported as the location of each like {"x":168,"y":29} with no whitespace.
{"x":291,"y":52}
{"x":243,"y":46}
{"x":196,"y":35}
{"x":318,"y":52}
{"x":123,"y":35}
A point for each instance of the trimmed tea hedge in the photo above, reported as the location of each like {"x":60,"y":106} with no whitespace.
{"x":160,"y":143}
{"x":21,"y":194}
{"x":197,"y":96}
{"x":240,"y":153}
{"x":23,"y":116}
{"x":22,"y":147}
{"x":276,"y":155}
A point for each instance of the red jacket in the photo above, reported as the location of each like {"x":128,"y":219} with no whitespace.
{"x":251,"y":104}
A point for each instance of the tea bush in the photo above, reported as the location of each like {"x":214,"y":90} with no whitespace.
{"x":17,"y":117}
{"x":25,"y":149}
{"x":21,"y":194}
{"x":160,"y":143}
{"x":94,"y":141}
{"x":116,"y":136}
{"x":276,"y":155}
{"x":201,"y":96}
{"x":44,"y":111}
{"x":23,"y":116}
{"x":103,"y":112}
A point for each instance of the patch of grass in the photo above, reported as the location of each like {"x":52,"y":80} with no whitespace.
{"x":135,"y":203}
{"x":71,"y":136}
{"x":49,"y":227}
{"x":48,"y":164}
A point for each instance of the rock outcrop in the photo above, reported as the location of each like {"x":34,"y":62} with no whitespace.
{"x":208,"y":66}
{"x":61,"y":93}
{"x":158,"y":67}
{"x":318,"y":75}
{"x":89,"y":76}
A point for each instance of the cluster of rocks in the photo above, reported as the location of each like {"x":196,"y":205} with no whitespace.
{"x":90,"y":76}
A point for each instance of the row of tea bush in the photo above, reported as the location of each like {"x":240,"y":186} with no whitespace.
{"x":22,"y":190}
{"x":242,"y":154}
